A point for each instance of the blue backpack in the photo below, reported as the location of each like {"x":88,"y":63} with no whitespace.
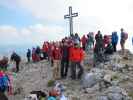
{"x":4,"y":81}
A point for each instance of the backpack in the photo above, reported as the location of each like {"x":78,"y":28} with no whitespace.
{"x":4,"y":83}
{"x":125,"y":36}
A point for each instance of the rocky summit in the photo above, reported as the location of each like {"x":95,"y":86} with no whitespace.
{"x":109,"y":80}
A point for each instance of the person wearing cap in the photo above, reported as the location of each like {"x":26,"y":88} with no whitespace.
{"x":77,"y":57}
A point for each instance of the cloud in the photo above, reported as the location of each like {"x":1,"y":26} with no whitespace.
{"x":34,"y":34}
{"x":106,"y":15}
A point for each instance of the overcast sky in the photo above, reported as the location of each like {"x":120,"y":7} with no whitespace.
{"x":34,"y":21}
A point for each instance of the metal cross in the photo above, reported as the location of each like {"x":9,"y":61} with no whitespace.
{"x":70,"y":17}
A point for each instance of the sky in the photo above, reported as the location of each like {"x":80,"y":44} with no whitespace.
{"x":30,"y":22}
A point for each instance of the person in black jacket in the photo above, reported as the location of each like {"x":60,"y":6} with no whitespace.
{"x":65,"y":59}
{"x":28,"y":55}
{"x":17,"y":59}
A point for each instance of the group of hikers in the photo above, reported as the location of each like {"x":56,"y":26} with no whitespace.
{"x":70,"y":52}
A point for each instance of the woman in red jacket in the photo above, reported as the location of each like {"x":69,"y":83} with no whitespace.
{"x":77,"y":56}
{"x":56,"y":56}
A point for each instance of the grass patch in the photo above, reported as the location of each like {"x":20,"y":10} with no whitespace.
{"x":130,"y":94}
{"x":50,"y":83}
{"x":115,"y":77}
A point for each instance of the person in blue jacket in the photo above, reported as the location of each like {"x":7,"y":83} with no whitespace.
{"x":114,"y":40}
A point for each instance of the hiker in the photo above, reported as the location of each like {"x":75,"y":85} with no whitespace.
{"x":90,"y":41}
{"x":45,"y":50}
{"x":76,"y":37}
{"x":124,"y":37}
{"x":83,"y":40}
{"x":105,"y":41}
{"x":99,"y":38}
{"x":77,"y":56}
{"x":114,"y":40}
{"x":64,"y":59}
{"x":35,"y":57}
{"x":17,"y":59}
{"x":33,"y":54}
{"x":56,"y":57}
{"x":99,"y":47}
{"x":4,"y":63}
{"x":28,"y":55}
{"x":38,"y":53}
{"x":52,"y":47}
{"x":109,"y":48}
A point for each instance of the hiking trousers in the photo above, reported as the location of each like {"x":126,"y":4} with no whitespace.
{"x":17,"y":66}
{"x":56,"y":70}
{"x":64,"y":68}
{"x":74,"y":66}
{"x":114,"y":46}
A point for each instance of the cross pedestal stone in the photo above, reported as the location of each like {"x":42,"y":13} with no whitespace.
{"x":70,"y":17}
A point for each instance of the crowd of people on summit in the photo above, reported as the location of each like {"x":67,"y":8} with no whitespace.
{"x":70,"y":52}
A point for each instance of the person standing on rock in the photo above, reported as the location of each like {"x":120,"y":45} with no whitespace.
{"x":124,"y":37}
{"x":99,"y":47}
{"x":65,"y":59}
{"x":17,"y":59}
{"x":28,"y":55}
{"x":56,"y":56}
{"x":77,"y":57}
{"x":114,"y":40}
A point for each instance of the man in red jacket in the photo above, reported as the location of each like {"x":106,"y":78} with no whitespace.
{"x":56,"y":56}
{"x":77,"y":56}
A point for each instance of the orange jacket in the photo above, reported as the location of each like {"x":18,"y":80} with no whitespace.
{"x":76,"y":54}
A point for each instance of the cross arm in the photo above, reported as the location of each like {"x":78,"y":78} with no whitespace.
{"x":66,"y":16}
{"x":74,"y":14}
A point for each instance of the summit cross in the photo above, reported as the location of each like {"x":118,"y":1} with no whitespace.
{"x":70,"y":17}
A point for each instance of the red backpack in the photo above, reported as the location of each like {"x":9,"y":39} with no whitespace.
{"x":125,"y":36}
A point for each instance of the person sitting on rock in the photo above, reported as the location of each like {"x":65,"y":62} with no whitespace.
{"x":109,"y":49}
{"x":105,"y":40}
{"x":17,"y":59}
{"x":56,"y":56}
